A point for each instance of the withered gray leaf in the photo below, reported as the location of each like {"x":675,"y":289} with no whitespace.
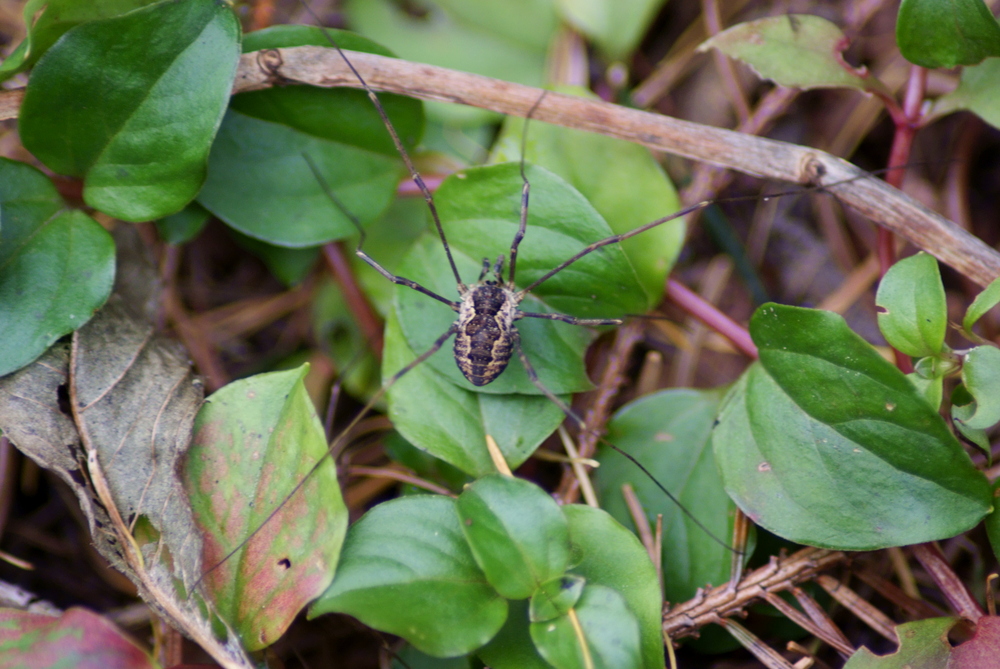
{"x":135,"y":398}
{"x":31,"y":417}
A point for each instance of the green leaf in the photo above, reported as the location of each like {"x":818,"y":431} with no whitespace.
{"x":992,"y":522}
{"x":480,"y":210}
{"x":57,"y":17}
{"x":260,"y":180}
{"x":516,"y":531}
{"x":615,"y":26}
{"x":254,"y":440}
{"x":77,"y":638}
{"x":407,"y":570}
{"x":978,"y":91}
{"x":609,"y":629}
{"x":668,"y":432}
{"x":555,"y":597}
{"x":935,"y":34}
{"x":613,"y":557}
{"x":450,"y":423}
{"x":131,"y":104}
{"x":826,"y":443}
{"x":922,"y":644}
{"x":635,"y":193}
{"x":986,"y":300}
{"x":260,"y":183}
{"x":503,"y":39}
{"x":57,"y":267}
{"x":793,"y":50}
{"x":981,"y":376}
{"x":913,"y":314}
{"x":183,"y":226}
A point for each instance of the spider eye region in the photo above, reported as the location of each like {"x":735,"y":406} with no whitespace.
{"x":485,"y":338}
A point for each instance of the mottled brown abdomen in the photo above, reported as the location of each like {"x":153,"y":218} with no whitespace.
{"x":483,"y":344}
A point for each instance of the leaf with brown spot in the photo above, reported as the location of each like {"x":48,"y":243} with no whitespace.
{"x":255,"y":439}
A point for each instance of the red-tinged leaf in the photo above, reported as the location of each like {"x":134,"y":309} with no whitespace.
{"x":982,"y":650}
{"x":78,"y":638}
{"x":254,"y":441}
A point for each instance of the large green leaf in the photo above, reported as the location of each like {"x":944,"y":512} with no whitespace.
{"x":668,"y":432}
{"x":480,"y":210}
{"x":407,"y":570}
{"x":260,"y":177}
{"x":451,"y":423}
{"x":612,"y":556}
{"x":946,"y":34}
{"x":56,"y":17}
{"x":56,"y":266}
{"x":913,"y":315}
{"x":131,"y":104}
{"x":516,"y":531}
{"x":254,"y":440}
{"x":635,"y":193}
{"x":826,"y":443}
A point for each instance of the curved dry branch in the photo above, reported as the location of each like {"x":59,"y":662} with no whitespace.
{"x":745,"y":153}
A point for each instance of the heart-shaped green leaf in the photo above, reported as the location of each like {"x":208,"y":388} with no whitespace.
{"x":407,"y":570}
{"x":56,"y":267}
{"x":828,"y":444}
{"x":913,"y":315}
{"x":516,"y":531}
{"x":132,"y":103}
{"x":260,"y":175}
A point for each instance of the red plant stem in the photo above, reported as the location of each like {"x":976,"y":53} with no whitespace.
{"x":899,"y":154}
{"x":357,"y":302}
{"x":696,"y":306}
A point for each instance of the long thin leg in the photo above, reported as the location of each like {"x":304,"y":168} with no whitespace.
{"x":398,"y":280}
{"x":417,"y":179}
{"x":335,"y":445}
{"x":614,"y":239}
{"x":572,"y":320}
{"x":525,"y":191}
{"x":533,"y":377}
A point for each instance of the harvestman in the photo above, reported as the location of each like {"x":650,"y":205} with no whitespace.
{"x":485,"y":334}
{"x":484,"y":331}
